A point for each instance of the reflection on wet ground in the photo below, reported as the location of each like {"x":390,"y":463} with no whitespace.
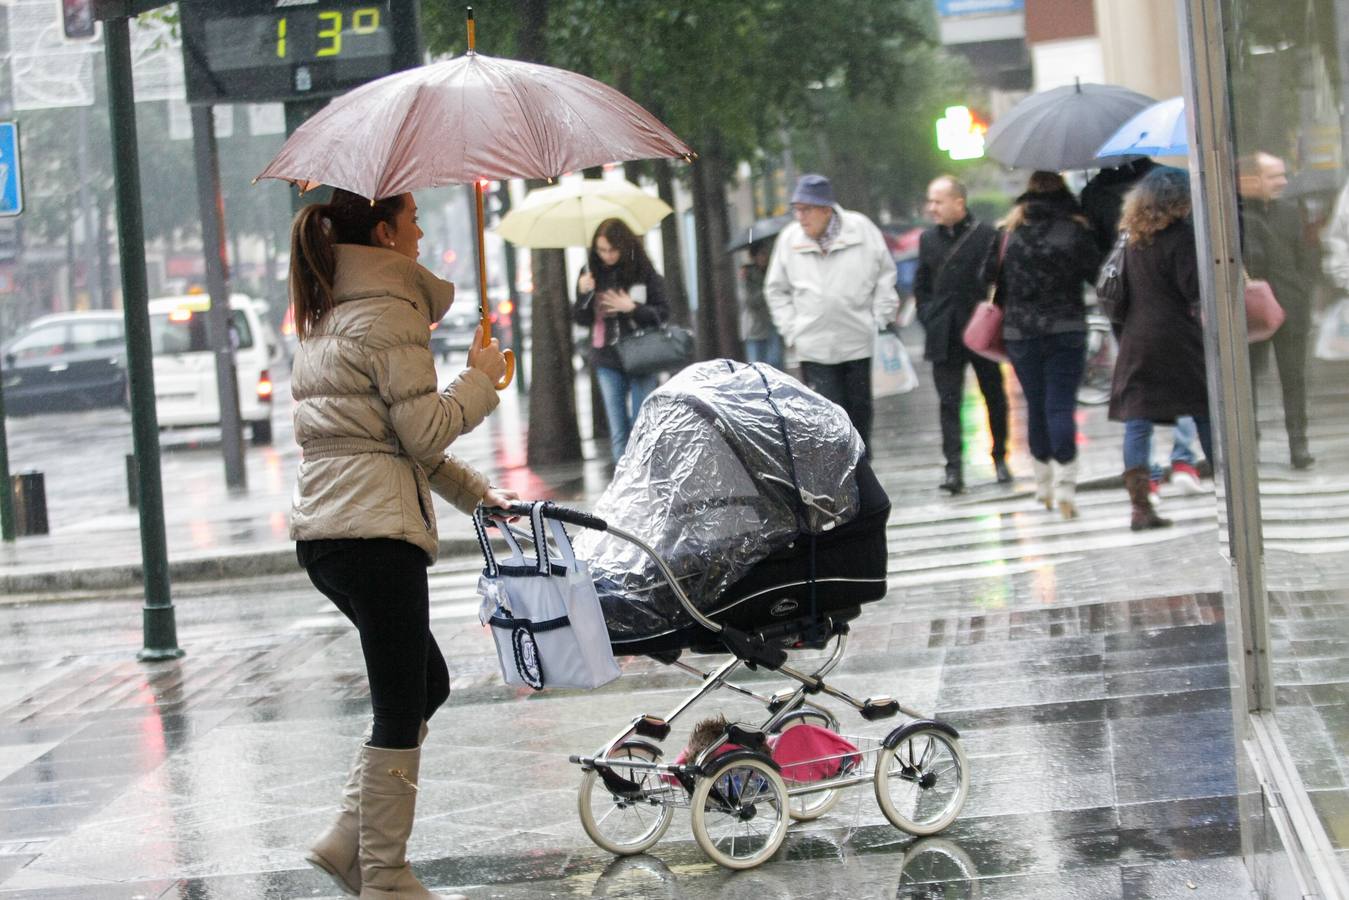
{"x":1099,"y":737}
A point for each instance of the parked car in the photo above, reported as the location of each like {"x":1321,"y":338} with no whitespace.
{"x":65,"y":362}
{"x":455,"y":330}
{"x":185,"y":382}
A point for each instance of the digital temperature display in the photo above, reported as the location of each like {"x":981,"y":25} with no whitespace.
{"x":274,"y":50}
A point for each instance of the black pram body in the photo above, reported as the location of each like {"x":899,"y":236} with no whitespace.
{"x":754,"y":491}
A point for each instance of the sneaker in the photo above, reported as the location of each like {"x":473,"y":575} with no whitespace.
{"x":1186,"y":477}
{"x":1154,"y":492}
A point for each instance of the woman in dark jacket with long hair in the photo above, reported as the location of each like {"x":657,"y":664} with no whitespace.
{"x":1159,"y":374}
{"x":620,"y":292}
{"x":1046,"y":254}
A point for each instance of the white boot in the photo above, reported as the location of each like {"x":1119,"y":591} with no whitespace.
{"x":1044,"y":483}
{"x":1065,"y":487}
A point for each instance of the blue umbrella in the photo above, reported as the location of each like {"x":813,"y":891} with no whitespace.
{"x":1159,"y":130}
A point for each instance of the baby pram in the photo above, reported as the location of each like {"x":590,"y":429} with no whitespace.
{"x":745,"y":518}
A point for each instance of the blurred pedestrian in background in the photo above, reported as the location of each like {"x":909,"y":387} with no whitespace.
{"x":1102,"y":203}
{"x":1159,"y":374}
{"x":619,"y":292}
{"x":948,"y":285}
{"x":1048,"y":253}
{"x":372,"y":429}
{"x":762,"y":341}
{"x":831,"y":288}
{"x":1274,"y":248}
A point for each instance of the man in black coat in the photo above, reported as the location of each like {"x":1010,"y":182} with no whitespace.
{"x":947,"y":287}
{"x":1274,"y":248}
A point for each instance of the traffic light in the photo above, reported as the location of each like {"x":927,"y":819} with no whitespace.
{"x":961,"y":134}
{"x":77,"y":18}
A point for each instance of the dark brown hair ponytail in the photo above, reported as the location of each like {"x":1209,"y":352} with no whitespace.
{"x":346,"y":218}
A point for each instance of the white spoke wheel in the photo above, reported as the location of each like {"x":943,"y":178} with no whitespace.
{"x":806,"y":807}
{"x":739,"y":812}
{"x":625,"y":825}
{"x":922,"y":781}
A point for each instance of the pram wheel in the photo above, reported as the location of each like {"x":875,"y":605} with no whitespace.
{"x":739,"y":811}
{"x":922,"y":781}
{"x":622,"y":825}
{"x":808,"y":807}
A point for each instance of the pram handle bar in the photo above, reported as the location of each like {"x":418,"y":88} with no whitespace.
{"x":550,"y":511}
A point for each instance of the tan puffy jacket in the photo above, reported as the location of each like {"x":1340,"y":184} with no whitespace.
{"x":371,"y":426}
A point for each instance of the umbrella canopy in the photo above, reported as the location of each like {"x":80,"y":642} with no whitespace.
{"x":567,"y":215}
{"x":1159,"y":130}
{"x":761,"y":229}
{"x":466,"y":119}
{"x":1062,"y":128}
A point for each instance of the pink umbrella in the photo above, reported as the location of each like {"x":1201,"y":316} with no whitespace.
{"x":471,"y":119}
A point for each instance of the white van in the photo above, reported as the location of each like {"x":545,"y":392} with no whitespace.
{"x":185,"y":383}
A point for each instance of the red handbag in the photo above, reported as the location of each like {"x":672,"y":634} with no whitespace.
{"x":983,"y":333}
{"x":1264,"y":315}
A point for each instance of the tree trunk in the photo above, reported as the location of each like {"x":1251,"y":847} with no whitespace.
{"x":669,"y":242}
{"x":599,"y":421}
{"x":718,"y":320}
{"x":553,"y":435}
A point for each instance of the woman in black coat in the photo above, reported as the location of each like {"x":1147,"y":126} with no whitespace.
{"x":1159,"y":373}
{"x":1042,"y":262}
{"x":619,"y":292}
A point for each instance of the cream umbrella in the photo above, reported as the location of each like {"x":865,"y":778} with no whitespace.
{"x":566,"y":215}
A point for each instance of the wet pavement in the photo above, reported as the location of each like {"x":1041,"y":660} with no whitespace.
{"x":1084,"y":665}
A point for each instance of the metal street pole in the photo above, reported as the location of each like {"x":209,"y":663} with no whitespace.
{"x":209,"y":202}
{"x":158,"y":626}
{"x":7,"y":528}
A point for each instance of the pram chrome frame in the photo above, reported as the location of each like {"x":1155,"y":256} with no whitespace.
{"x":749,"y":755}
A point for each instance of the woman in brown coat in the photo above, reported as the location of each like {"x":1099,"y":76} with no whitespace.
{"x":373,"y":429}
{"x":1159,"y":374}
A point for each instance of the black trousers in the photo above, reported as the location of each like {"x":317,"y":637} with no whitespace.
{"x":380,"y":585}
{"x":849,"y":385}
{"x":948,"y":376}
{"x":1290,"y":353}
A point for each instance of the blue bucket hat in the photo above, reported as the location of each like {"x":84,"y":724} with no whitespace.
{"x":813,"y":190}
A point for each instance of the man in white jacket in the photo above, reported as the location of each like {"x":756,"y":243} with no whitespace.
{"x":831,"y":287}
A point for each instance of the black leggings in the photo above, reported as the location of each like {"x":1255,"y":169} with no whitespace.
{"x":380,"y":585}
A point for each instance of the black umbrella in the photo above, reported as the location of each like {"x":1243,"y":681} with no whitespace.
{"x":763,"y":228}
{"x":1062,"y":128}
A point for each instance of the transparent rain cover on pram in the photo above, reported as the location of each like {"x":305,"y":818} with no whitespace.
{"x":707,"y":481}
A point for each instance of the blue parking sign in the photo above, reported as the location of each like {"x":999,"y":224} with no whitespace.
{"x":11,"y":176}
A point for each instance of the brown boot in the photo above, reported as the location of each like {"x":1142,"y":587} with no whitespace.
{"x":1136,"y":482}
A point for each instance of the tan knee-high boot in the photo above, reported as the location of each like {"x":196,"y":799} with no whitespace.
{"x":388,"y":807}
{"x":336,"y":852}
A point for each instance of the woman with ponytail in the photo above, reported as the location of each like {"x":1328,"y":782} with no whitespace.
{"x":373,"y":430}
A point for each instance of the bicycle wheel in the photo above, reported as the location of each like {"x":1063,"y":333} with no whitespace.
{"x":739,"y":812}
{"x":922,"y":781}
{"x":624,"y":825}
{"x":807,"y":807}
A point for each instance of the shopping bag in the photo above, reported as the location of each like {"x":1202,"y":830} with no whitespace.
{"x":892,"y":371}
{"x":1264,"y":315}
{"x":545,"y":616}
{"x":983,"y":334}
{"x":1332,"y":338}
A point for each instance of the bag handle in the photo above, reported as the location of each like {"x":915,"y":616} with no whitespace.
{"x":997,"y":272}
{"x":481,"y":521}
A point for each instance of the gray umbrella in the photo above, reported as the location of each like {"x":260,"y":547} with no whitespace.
{"x":763,"y":228}
{"x":1062,"y":128}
